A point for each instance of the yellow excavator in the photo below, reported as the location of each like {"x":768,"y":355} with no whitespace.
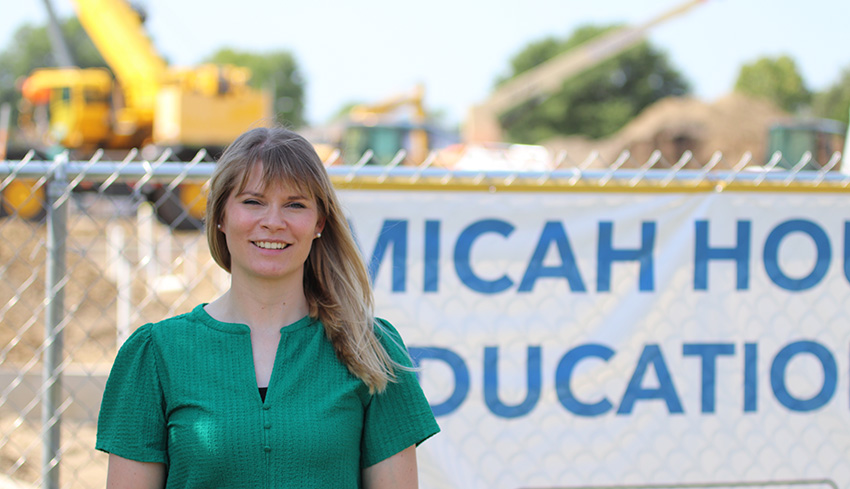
{"x":140,"y":102}
{"x":370,"y":127}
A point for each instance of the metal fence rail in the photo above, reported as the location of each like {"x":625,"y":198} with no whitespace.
{"x":96,"y":263}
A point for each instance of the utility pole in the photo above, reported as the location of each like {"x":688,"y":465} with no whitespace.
{"x":5,"y":115}
{"x":61,"y":54}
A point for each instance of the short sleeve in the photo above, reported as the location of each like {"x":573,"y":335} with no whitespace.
{"x":131,"y":423}
{"x":399,"y":416}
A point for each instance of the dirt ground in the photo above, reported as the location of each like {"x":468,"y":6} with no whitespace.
{"x":733,"y":124}
{"x":81,"y":467}
{"x":91,"y":291}
{"x":184,"y":276}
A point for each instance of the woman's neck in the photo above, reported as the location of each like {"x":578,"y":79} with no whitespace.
{"x":263,"y":307}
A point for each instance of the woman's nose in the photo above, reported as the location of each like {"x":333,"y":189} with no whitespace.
{"x":274,"y":218}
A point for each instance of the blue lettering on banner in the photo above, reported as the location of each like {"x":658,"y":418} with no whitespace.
{"x":750,"y":379}
{"x":564,"y":375}
{"x":830,"y":376}
{"x":463,"y":251}
{"x":393,"y":233}
{"x":432,"y":256}
{"x":491,"y":384}
{"x":636,"y":391}
{"x":708,"y":353}
{"x":553,"y":233}
{"x":771,"y":254}
{"x":458,"y":367}
{"x":665,"y":391}
{"x":740,"y":253}
{"x":607,"y":255}
{"x":393,"y":243}
{"x":847,"y":250}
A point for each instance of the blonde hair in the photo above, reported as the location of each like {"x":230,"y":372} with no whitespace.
{"x":336,"y":283}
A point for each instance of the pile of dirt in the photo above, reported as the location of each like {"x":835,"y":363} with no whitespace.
{"x":733,"y":125}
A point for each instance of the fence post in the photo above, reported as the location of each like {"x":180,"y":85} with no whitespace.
{"x":51,"y":421}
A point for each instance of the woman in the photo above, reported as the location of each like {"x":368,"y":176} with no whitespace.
{"x":287,"y":379}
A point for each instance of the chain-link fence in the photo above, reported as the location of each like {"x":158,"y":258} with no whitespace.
{"x":87,"y":256}
{"x":89,"y":250}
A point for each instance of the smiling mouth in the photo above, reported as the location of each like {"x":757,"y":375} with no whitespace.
{"x":270,"y":245}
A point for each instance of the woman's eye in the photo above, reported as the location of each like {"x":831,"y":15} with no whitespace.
{"x":297,"y":205}
{"x":251,"y":202}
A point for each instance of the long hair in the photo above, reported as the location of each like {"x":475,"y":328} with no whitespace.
{"x":336,"y":283}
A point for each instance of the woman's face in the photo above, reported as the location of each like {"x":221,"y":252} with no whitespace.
{"x":269,"y":230}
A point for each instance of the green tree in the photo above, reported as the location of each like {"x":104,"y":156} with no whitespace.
{"x":276,"y":71}
{"x":596,"y":102}
{"x":834,"y":102}
{"x":775,"y":79}
{"x":30,"y":49}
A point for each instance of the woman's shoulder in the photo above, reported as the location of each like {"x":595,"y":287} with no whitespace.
{"x":392,"y":341}
{"x":385,"y":330}
{"x":170,"y":329}
{"x":183,"y":320}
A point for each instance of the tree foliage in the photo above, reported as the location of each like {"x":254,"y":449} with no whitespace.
{"x":597,"y":102}
{"x":276,"y":71}
{"x":775,"y":79}
{"x":30,"y":48}
{"x":834,"y":102}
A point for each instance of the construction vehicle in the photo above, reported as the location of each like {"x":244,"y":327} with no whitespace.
{"x":814,"y":140}
{"x":382,"y":131}
{"x":141,"y":102}
{"x":482,"y":125}
{"x":372,"y":126}
{"x":368,"y":129}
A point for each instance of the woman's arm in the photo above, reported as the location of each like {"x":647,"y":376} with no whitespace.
{"x":396,"y":472}
{"x":129,"y":474}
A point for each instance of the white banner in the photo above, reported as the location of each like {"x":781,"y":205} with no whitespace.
{"x":572,"y":339}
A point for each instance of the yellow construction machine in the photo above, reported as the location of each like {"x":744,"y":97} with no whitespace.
{"x":141,"y":102}
{"x":383,"y":128}
{"x":373,"y":126}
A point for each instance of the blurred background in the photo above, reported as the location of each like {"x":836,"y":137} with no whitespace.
{"x":741,"y":104}
{"x":330,"y":66}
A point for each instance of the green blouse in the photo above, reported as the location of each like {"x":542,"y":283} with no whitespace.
{"x":183,"y":392}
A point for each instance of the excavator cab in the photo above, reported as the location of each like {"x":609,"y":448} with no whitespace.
{"x":61,"y":108}
{"x":385,"y":141}
{"x":75,"y":104}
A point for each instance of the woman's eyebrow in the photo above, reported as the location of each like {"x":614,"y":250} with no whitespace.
{"x":296,"y":196}
{"x":249,"y":192}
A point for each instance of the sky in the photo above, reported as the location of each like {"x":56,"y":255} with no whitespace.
{"x":369,"y":50}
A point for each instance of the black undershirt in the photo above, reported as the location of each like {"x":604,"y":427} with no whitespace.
{"x":263,"y":393}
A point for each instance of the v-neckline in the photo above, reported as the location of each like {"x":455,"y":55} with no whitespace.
{"x":245,"y":331}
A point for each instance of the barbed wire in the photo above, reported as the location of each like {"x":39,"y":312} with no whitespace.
{"x":590,"y":173}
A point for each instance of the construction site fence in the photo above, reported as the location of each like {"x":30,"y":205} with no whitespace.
{"x":91,"y":265}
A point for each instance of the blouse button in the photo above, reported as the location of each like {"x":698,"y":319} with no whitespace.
{"x":267,"y":449}
{"x":267,"y":425}
{"x":266,"y":407}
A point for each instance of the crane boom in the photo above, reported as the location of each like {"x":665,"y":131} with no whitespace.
{"x":117,"y":32}
{"x":147,"y":104}
{"x":550,"y":75}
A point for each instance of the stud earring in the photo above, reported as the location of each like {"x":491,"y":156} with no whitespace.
{"x":318,"y":235}
{"x":218,"y":226}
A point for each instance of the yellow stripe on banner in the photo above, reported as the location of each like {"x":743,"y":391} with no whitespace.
{"x":584,"y":185}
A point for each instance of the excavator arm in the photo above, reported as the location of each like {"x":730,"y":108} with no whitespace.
{"x":482,"y":125}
